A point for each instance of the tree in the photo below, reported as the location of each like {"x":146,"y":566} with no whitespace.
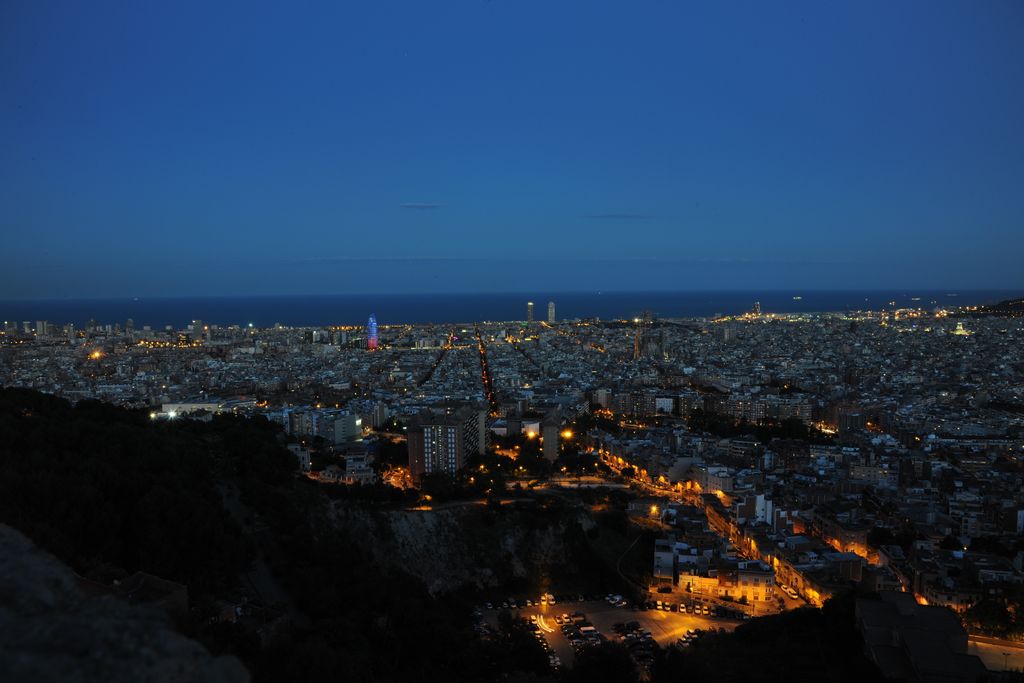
{"x":319,"y":460}
{"x":990,"y":617}
{"x":392,"y":453}
{"x":951,"y":543}
{"x":438,"y":485}
{"x":394,"y":425}
{"x":518,"y":646}
{"x":879,"y":536}
{"x":994,"y":545}
{"x":606,"y":663}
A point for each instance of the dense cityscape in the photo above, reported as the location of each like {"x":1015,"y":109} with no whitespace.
{"x":482,"y":341}
{"x":760,"y":462}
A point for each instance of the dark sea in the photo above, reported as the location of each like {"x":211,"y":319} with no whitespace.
{"x":263,"y":311}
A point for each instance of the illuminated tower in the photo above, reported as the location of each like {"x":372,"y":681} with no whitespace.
{"x":551,"y":311}
{"x":371,"y":333}
{"x":640,"y":338}
{"x":529,"y":311}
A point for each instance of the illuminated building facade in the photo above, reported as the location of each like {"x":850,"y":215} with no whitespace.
{"x":371,"y":333}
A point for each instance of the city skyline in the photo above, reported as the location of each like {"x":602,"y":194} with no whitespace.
{"x":463,"y":308}
{"x":408,"y":148}
{"x":512,"y":341}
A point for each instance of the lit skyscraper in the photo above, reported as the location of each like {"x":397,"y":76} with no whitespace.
{"x":551,"y":311}
{"x":371,"y":333}
{"x":529,"y":311}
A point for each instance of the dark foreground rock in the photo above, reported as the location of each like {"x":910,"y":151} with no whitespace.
{"x":50,"y":630}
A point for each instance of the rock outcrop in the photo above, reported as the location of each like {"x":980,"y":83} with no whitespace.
{"x":50,"y":630}
{"x":462,"y":545}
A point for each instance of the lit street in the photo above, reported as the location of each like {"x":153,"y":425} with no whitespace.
{"x":998,"y":657}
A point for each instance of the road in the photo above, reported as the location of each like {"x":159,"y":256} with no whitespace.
{"x":666,"y":627}
{"x":485,"y":372}
{"x":585,"y":481}
{"x":992,"y":655}
{"x":790,"y":602}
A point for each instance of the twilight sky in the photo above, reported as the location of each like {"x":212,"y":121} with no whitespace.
{"x":188,"y":148}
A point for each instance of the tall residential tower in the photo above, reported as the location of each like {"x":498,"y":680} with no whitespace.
{"x":443,"y":443}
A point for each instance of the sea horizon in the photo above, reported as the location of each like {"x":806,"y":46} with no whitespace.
{"x":450,"y":308}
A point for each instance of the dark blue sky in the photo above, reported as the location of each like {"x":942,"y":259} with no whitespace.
{"x":234,"y":148}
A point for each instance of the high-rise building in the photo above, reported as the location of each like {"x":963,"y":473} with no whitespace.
{"x":342,"y":428}
{"x":550,"y":433}
{"x":42,"y":328}
{"x":379,"y":415}
{"x":551,"y":311}
{"x":336,"y":427}
{"x":529,"y":311}
{"x":441,"y":443}
{"x":197,"y":330}
{"x":371,"y":333}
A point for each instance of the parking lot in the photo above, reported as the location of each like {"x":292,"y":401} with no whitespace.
{"x":665,"y":627}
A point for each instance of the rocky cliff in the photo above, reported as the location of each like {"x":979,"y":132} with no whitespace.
{"x":469,"y":546}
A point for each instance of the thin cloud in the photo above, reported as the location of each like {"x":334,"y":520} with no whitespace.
{"x":518,"y":261}
{"x":618,"y":216}
{"x":419,"y":205}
